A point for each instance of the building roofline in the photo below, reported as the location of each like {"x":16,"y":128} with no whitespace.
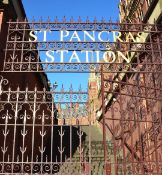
{"x":22,"y":8}
{"x":19,"y":8}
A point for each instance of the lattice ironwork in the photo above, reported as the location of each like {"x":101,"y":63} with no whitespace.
{"x":46,"y":131}
{"x":23,"y":54}
{"x":133,"y":115}
{"x":83,"y":25}
{"x":42,"y":129}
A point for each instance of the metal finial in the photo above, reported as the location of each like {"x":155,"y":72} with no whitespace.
{"x":64,"y":19}
{"x":33,"y":19}
{"x":25,"y":19}
{"x":95,"y":19}
{"x":103,"y":20}
{"x":87,"y":19}
{"x":71,"y":19}
{"x":48,"y":20}
{"x":79,"y":19}
{"x":56,"y":19}
{"x":55,"y":85}
{"x":110,"y":20}
{"x":41,"y":19}
{"x":80,"y":87}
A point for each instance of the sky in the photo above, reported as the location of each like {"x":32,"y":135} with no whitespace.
{"x":71,"y":8}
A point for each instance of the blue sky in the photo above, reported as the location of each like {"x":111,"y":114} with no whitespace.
{"x":68,"y":8}
{"x":71,"y":8}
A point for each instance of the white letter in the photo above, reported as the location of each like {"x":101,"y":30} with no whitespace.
{"x":62,"y":54}
{"x":74,"y":56}
{"x":87,"y":56}
{"x":92,"y":37}
{"x":117,"y":37}
{"x":62,"y":36}
{"x":99,"y":36}
{"x":49,"y":56}
{"x":45,"y":35}
{"x":109,"y":55}
{"x":98,"y":56}
{"x":32,"y":35}
{"x":75,"y":36}
{"x":121,"y":55}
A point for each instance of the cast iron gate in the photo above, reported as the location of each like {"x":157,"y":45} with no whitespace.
{"x":53,"y":132}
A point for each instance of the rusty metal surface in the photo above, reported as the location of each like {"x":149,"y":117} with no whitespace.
{"x":22,"y":55}
{"x":53,"y":132}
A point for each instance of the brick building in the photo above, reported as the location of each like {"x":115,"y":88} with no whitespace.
{"x":133,"y":99}
{"x":31,"y":140}
{"x":13,"y":10}
{"x":16,"y":108}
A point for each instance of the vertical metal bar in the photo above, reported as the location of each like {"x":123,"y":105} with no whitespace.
{"x":33,"y":128}
{"x":15,"y":127}
{"x":132,"y":146}
{"x":71,"y":106}
{"x":42,"y":134}
{"x":113,"y":139}
{"x":147,"y":124}
{"x":13,"y":56}
{"x":52,"y":125}
{"x":5,"y":133}
{"x":61,"y":149}
{"x":160,"y":87}
{"x":132,"y":117}
{"x":5,"y":57}
{"x":80,"y":146}
{"x":154,"y":86}
{"x":122,"y":131}
{"x":23,"y":133}
{"x":23,"y":39}
{"x":139,"y":128}
{"x":71,"y":142}
{"x":90,"y":144}
{"x":103,"y":114}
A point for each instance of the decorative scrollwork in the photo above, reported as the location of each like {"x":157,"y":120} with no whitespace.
{"x":55,"y":168}
{"x":27,"y":168}
{"x":3,"y":82}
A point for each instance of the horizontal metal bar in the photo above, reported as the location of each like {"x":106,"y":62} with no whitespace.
{"x":89,"y":26}
{"x":132,"y":95}
{"x":70,"y":71}
{"x":83,"y":42}
{"x":129,"y":120}
{"x":29,"y":92}
{"x":80,"y":67}
{"x":52,"y":125}
{"x":89,"y":63}
{"x":130,"y":84}
{"x":45,"y":102}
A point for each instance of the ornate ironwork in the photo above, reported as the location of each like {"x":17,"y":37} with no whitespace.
{"x":81,"y":67}
{"x":132,"y":114}
{"x":81,"y":25}
{"x":23,"y":54}
{"x":49,"y":131}
{"x":41,"y":130}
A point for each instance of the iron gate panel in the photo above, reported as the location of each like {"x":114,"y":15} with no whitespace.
{"x":23,"y":55}
{"x":39,"y":134}
{"x":46,"y":131}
